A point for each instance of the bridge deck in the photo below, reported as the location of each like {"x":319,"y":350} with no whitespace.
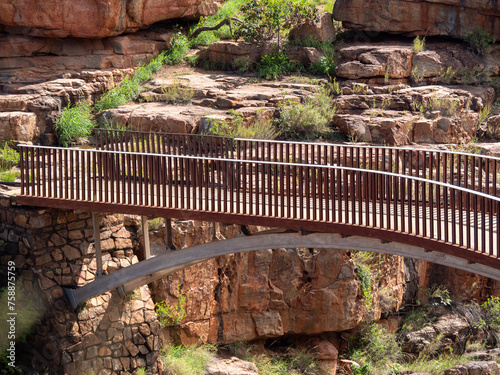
{"x":432,"y":214}
{"x":418,"y":219}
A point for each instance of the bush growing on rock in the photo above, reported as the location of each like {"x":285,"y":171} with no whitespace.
{"x":479,"y":40}
{"x":75,"y":123}
{"x":306,"y":120}
{"x":269,"y":19}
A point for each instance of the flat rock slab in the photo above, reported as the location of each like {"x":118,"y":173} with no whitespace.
{"x":231,"y":366}
{"x":161,"y":117}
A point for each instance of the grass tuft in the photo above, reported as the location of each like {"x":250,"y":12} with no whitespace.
{"x":74,"y":124}
{"x":190,"y":360}
{"x":307,"y":120}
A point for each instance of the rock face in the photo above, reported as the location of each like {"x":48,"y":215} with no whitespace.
{"x":94,"y":19}
{"x":424,"y":17}
{"x":397,"y":115}
{"x":56,"y":54}
{"x":270,"y":293}
{"x":28,"y":110}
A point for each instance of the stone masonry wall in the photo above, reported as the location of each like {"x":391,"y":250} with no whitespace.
{"x":53,"y":249}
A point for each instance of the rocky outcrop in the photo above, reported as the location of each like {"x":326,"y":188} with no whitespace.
{"x":212,"y":96}
{"x":29,"y":109}
{"x":397,"y":115}
{"x":321,"y":30}
{"x":243,"y":55}
{"x":397,"y":62}
{"x":59,"y":54}
{"x":271,"y":293}
{"x":453,"y":326}
{"x":231,"y":366}
{"x":424,"y":17}
{"x":94,"y":19}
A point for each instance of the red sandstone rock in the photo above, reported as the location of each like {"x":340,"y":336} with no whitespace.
{"x":419,"y":17}
{"x":96,"y":18}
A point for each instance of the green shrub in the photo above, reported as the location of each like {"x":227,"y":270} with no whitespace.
{"x":8,"y":157}
{"x":491,"y":311}
{"x":480,"y":40}
{"x":126,"y":92}
{"x":434,"y":366}
{"x":270,"y":19}
{"x":191,"y":360}
{"x":325,"y":66}
{"x":178,"y":50}
{"x":75,"y":123}
{"x":171,"y":315}
{"x":439,"y":294}
{"x":259,"y":129}
{"x":418,"y":44}
{"x":230,"y":8}
{"x":294,"y":364}
{"x":275,"y":65}
{"x":9,"y":176}
{"x":377,"y":348}
{"x":306,"y":120}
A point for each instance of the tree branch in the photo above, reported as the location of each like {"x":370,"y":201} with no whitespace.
{"x":227,"y":21}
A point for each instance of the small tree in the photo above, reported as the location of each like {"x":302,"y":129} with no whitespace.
{"x":268,"y":19}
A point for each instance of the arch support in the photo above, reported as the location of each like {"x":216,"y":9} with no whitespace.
{"x":149,"y":270}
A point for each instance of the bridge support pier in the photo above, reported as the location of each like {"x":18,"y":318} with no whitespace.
{"x":168,"y":231}
{"x":145,"y":234}
{"x":97,"y":243}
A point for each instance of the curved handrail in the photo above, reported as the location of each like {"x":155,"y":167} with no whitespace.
{"x":272,"y":163}
{"x":265,"y":141}
{"x":289,"y":195}
{"x":458,"y":168}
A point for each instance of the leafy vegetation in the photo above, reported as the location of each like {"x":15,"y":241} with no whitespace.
{"x":480,"y":40}
{"x":418,"y":44}
{"x":229,"y":9}
{"x":306,"y":120}
{"x":275,"y":65}
{"x":9,"y":157}
{"x":169,"y":315}
{"x":363,"y":267}
{"x":377,"y":348}
{"x":299,"y":363}
{"x":9,"y":176}
{"x":190,"y":360}
{"x":74,"y":124}
{"x":491,"y":312}
{"x":177,"y":51}
{"x":130,"y":88}
{"x":236,"y":128}
{"x":434,"y":366}
{"x":269,"y":19}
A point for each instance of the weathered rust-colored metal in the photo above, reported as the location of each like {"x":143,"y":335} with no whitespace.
{"x":433,"y":199}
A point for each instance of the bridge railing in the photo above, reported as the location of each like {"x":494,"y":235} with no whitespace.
{"x":282,"y":194}
{"x":473,"y":171}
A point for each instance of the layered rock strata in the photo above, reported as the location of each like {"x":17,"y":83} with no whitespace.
{"x":422,"y":17}
{"x":94,"y":19}
{"x":271,"y":293}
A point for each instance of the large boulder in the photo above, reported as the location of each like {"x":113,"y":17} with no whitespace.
{"x":94,"y":18}
{"x":425,"y":17}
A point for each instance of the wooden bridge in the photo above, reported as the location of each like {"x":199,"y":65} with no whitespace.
{"x":436,"y":201}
